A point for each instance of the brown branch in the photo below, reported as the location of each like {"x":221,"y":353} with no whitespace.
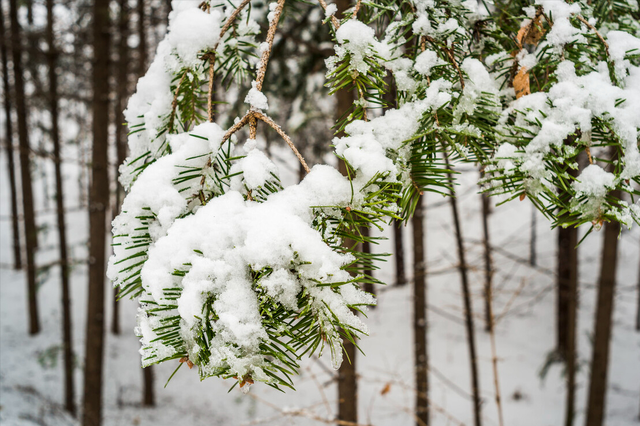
{"x":237,"y":126}
{"x":264,"y":60}
{"x":584,"y":21}
{"x":230,"y":20}
{"x":356,"y":9}
{"x":449,"y":53}
{"x":212,"y":62}
{"x":334,"y":20}
{"x":174,"y":103}
{"x":284,"y":136}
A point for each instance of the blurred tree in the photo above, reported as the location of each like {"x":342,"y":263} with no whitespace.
{"x":11,"y":168}
{"x":31,"y":232}
{"x":67,"y":341}
{"x":98,"y":203}
{"x":420,"y":325}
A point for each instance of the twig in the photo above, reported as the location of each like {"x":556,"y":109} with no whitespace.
{"x":356,"y":9}
{"x":591,"y":27}
{"x":449,"y":53}
{"x":174,"y":103}
{"x":212,"y":62}
{"x":264,"y":60}
{"x":494,"y":355}
{"x":237,"y":126}
{"x":284,"y":136}
{"x":230,"y":20}
{"x":334,"y":20}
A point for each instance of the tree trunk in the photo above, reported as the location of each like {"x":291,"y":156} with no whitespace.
{"x":31,"y":232}
{"x":347,"y":374}
{"x":122,"y":93}
{"x":488,"y":298}
{"x":466,"y":295}
{"x":347,"y":379}
{"x":98,"y":202}
{"x":567,"y":311}
{"x":149,"y":399}
{"x":366,"y":248}
{"x":142,"y":37}
{"x":420,"y":318}
{"x":603,"y":324}
{"x":401,"y":278}
{"x":488,"y":264}
{"x":11,"y":168}
{"x":69,"y":399}
{"x":638,"y":312}
{"x":533,"y":261}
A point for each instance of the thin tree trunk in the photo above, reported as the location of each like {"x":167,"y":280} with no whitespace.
{"x":401,"y":278}
{"x":347,"y":378}
{"x":638,"y":312}
{"x":567,"y":311}
{"x":603,"y":324}
{"x":466,"y":295}
{"x":567,"y":275}
{"x":488,"y":263}
{"x":532,"y":242}
{"x":149,"y":399}
{"x":98,"y":203}
{"x":488,"y":288}
{"x":366,"y":248}
{"x":120,"y":134}
{"x":11,"y":168}
{"x":142,"y":37}
{"x":69,"y":399}
{"x":421,"y":355}
{"x":31,"y":232}
{"x":347,"y":374}
{"x":147,"y":376}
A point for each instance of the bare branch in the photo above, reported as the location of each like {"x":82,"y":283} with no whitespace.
{"x":284,"y":136}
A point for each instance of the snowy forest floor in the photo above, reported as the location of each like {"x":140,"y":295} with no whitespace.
{"x":31,"y":367}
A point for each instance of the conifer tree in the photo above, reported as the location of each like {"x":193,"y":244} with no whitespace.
{"x":241,"y":277}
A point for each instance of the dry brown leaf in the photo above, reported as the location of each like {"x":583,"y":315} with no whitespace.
{"x":245,"y":380}
{"x":521,"y":33}
{"x":521,"y":83}
{"x":385,"y":390}
{"x":535,"y":32}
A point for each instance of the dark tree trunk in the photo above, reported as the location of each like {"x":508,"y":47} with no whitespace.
{"x":98,"y":202}
{"x":401,"y":278}
{"x":347,"y":378}
{"x":421,"y":355}
{"x":149,"y":398}
{"x":347,"y":374}
{"x":122,"y":93}
{"x":31,"y":232}
{"x":567,"y":311}
{"x":147,"y":376}
{"x":142,"y":37}
{"x":366,"y":248}
{"x":533,"y":257}
{"x":69,"y":399}
{"x":488,"y":263}
{"x":603,"y":324}
{"x":466,"y":295}
{"x":11,"y":167}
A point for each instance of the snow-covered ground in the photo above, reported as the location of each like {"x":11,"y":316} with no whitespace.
{"x":30,"y":367}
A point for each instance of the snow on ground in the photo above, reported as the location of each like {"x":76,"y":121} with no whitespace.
{"x":30,"y":367}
